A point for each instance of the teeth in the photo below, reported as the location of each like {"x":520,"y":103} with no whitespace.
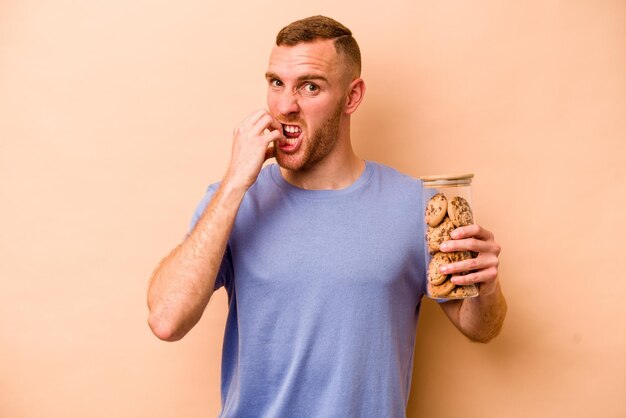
{"x":289,"y":141}
{"x":292,"y":129}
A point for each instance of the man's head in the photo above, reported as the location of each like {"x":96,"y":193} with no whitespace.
{"x":316,"y":28}
{"x":313,"y":88}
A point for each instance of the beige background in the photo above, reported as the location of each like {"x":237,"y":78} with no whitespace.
{"x":114,"y":116}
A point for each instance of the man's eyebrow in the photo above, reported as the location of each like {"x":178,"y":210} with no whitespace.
{"x":272,"y":76}
{"x":312,"y":77}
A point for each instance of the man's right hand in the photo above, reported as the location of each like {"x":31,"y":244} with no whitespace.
{"x":251,"y":147}
{"x":184,"y":281}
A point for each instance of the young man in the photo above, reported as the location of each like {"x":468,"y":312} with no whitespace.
{"x":321,"y":254}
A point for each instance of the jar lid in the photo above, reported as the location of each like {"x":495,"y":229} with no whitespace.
{"x":448,"y":177}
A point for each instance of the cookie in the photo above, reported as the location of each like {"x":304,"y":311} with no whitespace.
{"x":436,"y":209}
{"x":460,"y":212}
{"x":438,"y":291}
{"x":438,"y":234}
{"x":466,"y":291}
{"x":457,"y":256}
{"x":434,"y":276}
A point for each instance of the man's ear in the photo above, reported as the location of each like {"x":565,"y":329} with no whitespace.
{"x":356,"y":92}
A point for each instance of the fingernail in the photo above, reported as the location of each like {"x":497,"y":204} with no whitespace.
{"x":443,"y":246}
{"x":443,"y":269}
{"x":454,"y":234}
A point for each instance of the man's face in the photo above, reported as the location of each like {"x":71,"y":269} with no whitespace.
{"x":307,"y":87}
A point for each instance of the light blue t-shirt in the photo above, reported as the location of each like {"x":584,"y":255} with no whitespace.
{"x":324,"y":290}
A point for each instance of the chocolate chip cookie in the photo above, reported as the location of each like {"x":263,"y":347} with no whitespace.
{"x":438,"y":234}
{"x":439,"y":291}
{"x":436,"y":209}
{"x":460,"y":212}
{"x":435,"y":277}
{"x":465,"y":291}
{"x":457,"y":256}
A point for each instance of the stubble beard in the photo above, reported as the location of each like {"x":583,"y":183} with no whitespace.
{"x":320,"y":144}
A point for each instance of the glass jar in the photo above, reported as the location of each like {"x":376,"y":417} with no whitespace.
{"x":447,"y":206}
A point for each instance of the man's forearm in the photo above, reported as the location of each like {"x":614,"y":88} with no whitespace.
{"x":481,"y":318}
{"x":183,"y":283}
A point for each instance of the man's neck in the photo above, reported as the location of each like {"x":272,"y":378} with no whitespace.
{"x":333,"y":173}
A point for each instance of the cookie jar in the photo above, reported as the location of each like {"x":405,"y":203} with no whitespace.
{"x":447,"y":206}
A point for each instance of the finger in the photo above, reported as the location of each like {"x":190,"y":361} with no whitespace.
{"x":482,"y":262}
{"x":483,"y":276}
{"x":272,"y":136}
{"x":270,"y":152}
{"x":249,"y":122}
{"x":469,"y":244}
{"x":469,"y":231}
{"x":269,"y":123}
{"x":262,"y":123}
{"x":254,"y":117}
{"x":275,"y":125}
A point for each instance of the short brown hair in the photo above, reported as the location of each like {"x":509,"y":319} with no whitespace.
{"x":314,"y":28}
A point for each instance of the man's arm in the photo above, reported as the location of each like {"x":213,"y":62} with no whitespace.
{"x":182,"y":284}
{"x":479,"y":318}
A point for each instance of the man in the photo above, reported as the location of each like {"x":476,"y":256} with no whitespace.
{"x":321,"y":254}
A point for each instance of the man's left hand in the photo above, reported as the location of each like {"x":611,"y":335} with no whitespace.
{"x":484,"y":268}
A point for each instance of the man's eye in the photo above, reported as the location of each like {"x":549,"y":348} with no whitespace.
{"x":310,"y":88}
{"x":276,"y":83}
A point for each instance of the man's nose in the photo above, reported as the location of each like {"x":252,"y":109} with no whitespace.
{"x":288,"y":103}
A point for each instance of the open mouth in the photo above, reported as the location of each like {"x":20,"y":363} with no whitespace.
{"x":291,"y":131}
{"x":292,"y":135}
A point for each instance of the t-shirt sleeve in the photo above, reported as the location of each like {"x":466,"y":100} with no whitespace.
{"x":225,"y":272}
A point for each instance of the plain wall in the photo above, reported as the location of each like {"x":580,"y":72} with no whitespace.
{"x":114,"y":117}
